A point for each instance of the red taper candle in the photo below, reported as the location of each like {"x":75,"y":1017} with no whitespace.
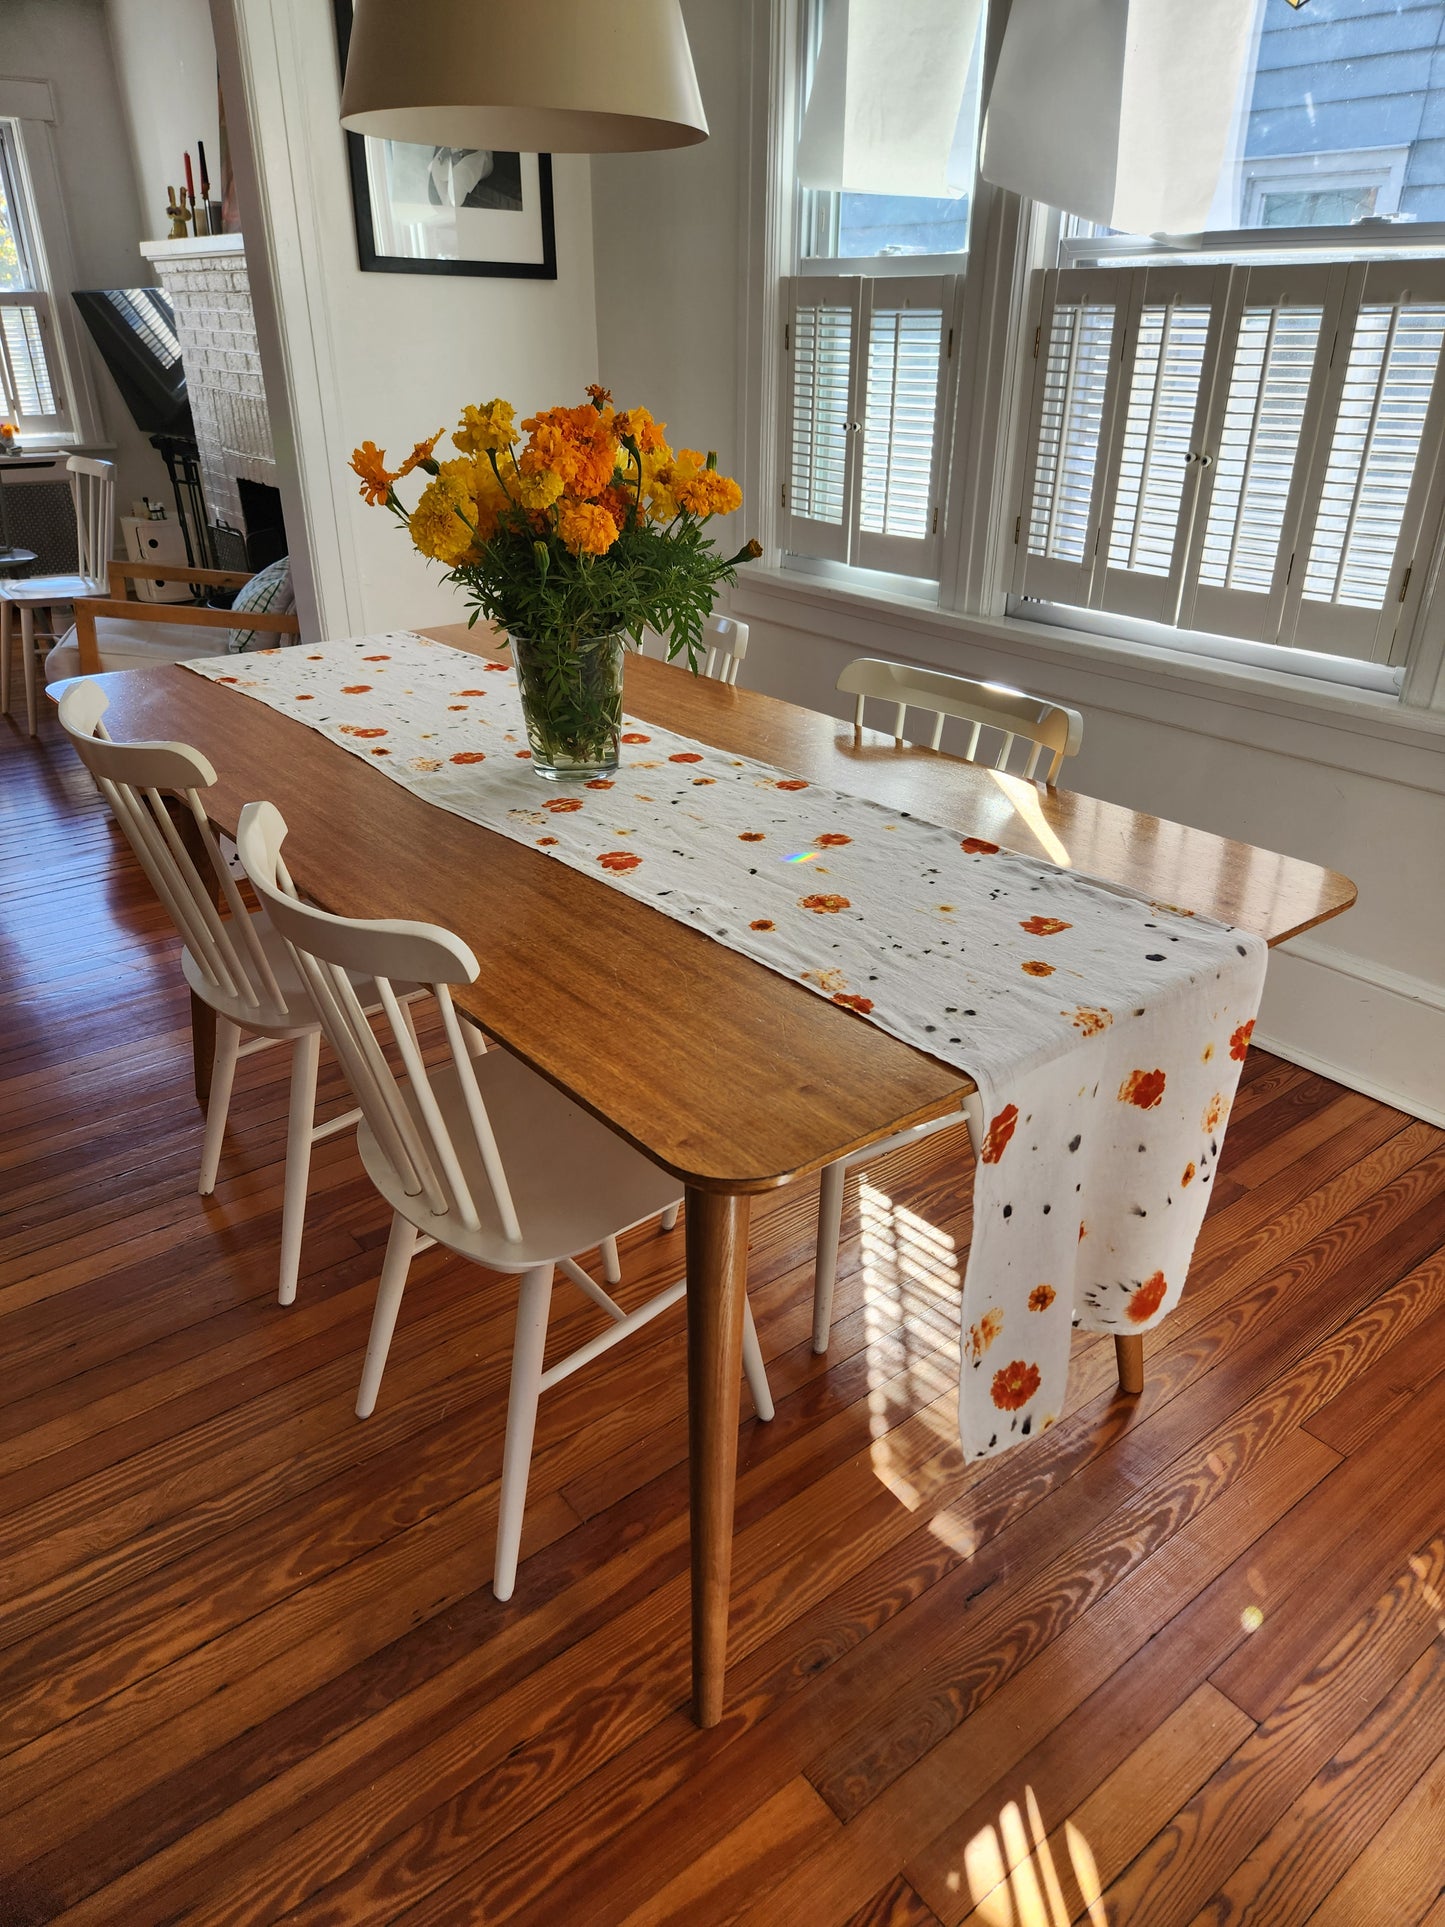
{"x":190,"y":179}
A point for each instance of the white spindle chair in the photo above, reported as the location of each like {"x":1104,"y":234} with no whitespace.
{"x":724,"y":645}
{"x":986,"y":705}
{"x":479,"y":1154}
{"x":1045,"y":725}
{"x":237,"y":964}
{"x":92,"y":493}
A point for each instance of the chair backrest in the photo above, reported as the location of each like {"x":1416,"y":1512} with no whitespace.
{"x":92,"y":491}
{"x":414,"y":1136}
{"x":724,"y":644}
{"x":986,"y":705}
{"x":132,"y":778}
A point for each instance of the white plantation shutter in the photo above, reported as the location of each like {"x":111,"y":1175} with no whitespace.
{"x":866,"y":367}
{"x":1369,"y":488}
{"x":33,"y":393}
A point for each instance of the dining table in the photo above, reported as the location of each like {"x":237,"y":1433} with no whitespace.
{"x":733,"y":1078}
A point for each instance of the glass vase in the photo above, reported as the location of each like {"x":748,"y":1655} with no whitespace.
{"x":571,"y":690}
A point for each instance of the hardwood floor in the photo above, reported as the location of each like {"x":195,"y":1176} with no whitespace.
{"x":1181,"y":1661}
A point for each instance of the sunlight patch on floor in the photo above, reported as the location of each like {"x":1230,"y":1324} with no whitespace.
{"x":912,"y":1286}
{"x":1013,"y":1879}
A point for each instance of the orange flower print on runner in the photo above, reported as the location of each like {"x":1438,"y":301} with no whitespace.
{"x":376,"y":659}
{"x":228,"y":679}
{"x":1239,"y":1042}
{"x":426,"y":764}
{"x":1188,"y":1174}
{"x":634,"y":736}
{"x":381,"y":752}
{"x":832,"y":840}
{"x":1036,"y":969}
{"x":356,"y":689}
{"x":762,"y":923}
{"x":791,"y":783}
{"x":1045,"y":926}
{"x":456,"y":705}
{"x":701,"y":782}
{"x":469,"y":692}
{"x":1144,"y":1088}
{"x":1206,"y":1054}
{"x":470,"y":756}
{"x":524,"y":756}
{"x":1041,"y":1297}
{"x":1015,"y":1385}
{"x":980,"y":1336}
{"x":619,"y":860}
{"x":1213,"y":1112}
{"x":861,"y":1004}
{"x":496,"y":667}
{"x":1091,"y":1022}
{"x":978,"y":846}
{"x":305,"y":699}
{"x":563,"y":805}
{"x":824,"y":906}
{"x":355,"y":729}
{"x":600,"y":783}
{"x":686,"y":756}
{"x":752,"y":836}
{"x":999,"y":1133}
{"x":1147,"y":1299}
{"x":545,"y":842}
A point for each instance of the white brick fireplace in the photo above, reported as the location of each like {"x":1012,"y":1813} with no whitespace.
{"x":211,"y":292}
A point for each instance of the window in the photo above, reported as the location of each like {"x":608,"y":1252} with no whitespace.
{"x":30,"y":365}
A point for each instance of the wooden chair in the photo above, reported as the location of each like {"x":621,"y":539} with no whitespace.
{"x":236,"y":965}
{"x":725,"y":644}
{"x":988,"y":706}
{"x":92,"y":492}
{"x":479,"y":1154}
{"x":120,"y":632}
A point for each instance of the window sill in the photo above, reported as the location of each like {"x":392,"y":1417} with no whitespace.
{"x":1375,"y":734}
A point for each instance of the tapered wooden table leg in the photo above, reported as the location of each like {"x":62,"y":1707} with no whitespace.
{"x":717,"y":1276}
{"x":1129,"y":1352}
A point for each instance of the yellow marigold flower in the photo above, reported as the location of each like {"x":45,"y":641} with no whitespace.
{"x":442,"y":521}
{"x":539,"y":490}
{"x":585,"y":528}
{"x":482,"y":428}
{"x":419,"y":454}
{"x":636,"y":424}
{"x":369,"y":462}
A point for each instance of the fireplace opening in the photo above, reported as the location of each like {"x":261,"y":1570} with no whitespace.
{"x":265,"y":533}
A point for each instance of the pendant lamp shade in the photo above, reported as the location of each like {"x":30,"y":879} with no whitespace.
{"x":528,"y":76}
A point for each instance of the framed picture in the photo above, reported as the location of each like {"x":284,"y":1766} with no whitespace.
{"x":448,"y":210}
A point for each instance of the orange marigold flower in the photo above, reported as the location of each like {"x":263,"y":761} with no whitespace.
{"x":598,"y":395}
{"x":824,"y":906}
{"x":369,"y":462}
{"x":1147,"y":1299}
{"x":585,"y":528}
{"x":1045,"y":926}
{"x":420,"y":453}
{"x":637,"y":425}
{"x":1144,"y":1088}
{"x":1015,"y":1385}
{"x":999,"y":1133}
{"x":1239,"y":1041}
{"x":1041,"y":1297}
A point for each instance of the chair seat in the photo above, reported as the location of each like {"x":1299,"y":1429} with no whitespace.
{"x":573,"y":1181}
{"x":290,"y":1019}
{"x":127,"y":643}
{"x":50,"y":588}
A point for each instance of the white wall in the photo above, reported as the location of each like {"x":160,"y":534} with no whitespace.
{"x":386,"y":357}
{"x":66,"y":43}
{"x":1362,"y":998}
{"x":165,"y":62}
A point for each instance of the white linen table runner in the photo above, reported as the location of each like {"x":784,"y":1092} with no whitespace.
{"x":1105,"y":1033}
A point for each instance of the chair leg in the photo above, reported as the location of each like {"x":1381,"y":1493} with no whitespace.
{"x":300,"y":1126}
{"x":611,"y":1263}
{"x":397,"y":1262}
{"x":27,"y":662}
{"x":5,"y":614}
{"x":668,"y":1220}
{"x":1129,"y":1356}
{"x":754,"y":1370}
{"x":223,"y":1073}
{"x":534,"y":1301}
{"x":825,"y":1264}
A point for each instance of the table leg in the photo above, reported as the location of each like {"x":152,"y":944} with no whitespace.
{"x":1129,"y":1356}
{"x":717,"y":1276}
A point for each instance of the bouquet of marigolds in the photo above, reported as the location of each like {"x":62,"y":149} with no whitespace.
{"x":574,"y":537}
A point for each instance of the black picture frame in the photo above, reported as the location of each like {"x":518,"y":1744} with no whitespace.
{"x":369,"y":257}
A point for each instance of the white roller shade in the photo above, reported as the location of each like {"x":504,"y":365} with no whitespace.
{"x":886,"y":96}
{"x":1119,"y":111}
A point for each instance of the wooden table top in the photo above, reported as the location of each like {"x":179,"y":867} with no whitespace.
{"x":724,"y":1072}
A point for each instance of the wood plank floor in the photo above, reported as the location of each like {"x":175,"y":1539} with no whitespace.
{"x":1181,"y":1661}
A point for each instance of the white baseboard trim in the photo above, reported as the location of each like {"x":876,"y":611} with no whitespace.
{"x":1374,"y":1029}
